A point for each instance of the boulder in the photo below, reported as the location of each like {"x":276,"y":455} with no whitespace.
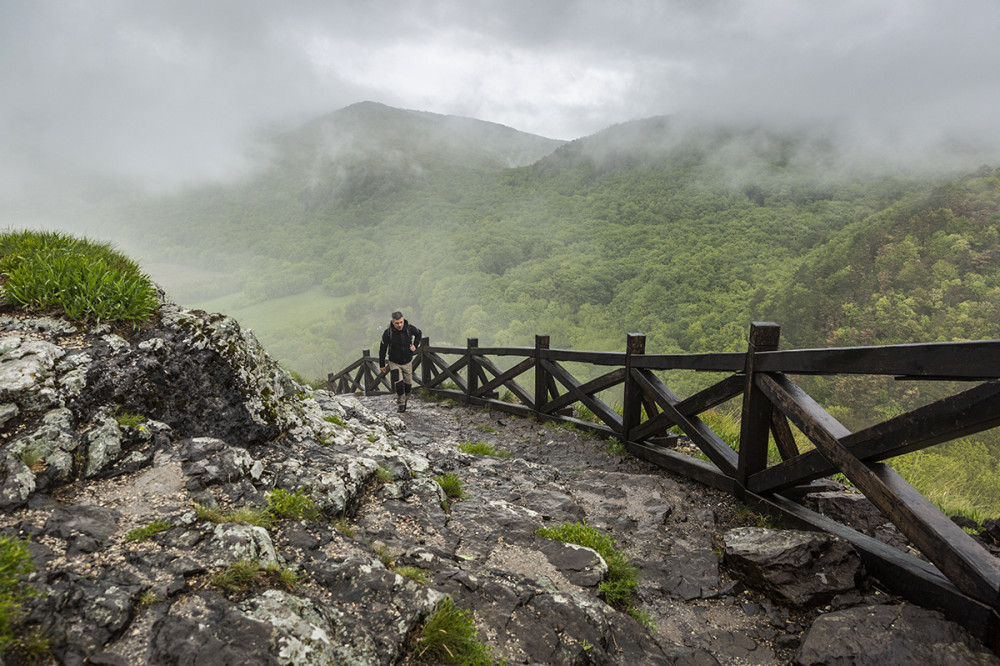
{"x":900,"y":634}
{"x":793,"y":567}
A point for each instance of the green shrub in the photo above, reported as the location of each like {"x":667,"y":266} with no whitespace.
{"x":15,"y":564}
{"x":293,"y":506}
{"x":144,"y":533}
{"x":483,"y":448}
{"x":449,"y":637}
{"x":87,"y":280}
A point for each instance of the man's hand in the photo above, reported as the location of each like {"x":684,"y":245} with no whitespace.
{"x":412,"y":348}
{"x":382,"y":368}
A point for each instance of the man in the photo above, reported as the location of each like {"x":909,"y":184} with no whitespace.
{"x":400,"y":340}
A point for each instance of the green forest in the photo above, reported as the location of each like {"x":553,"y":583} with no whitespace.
{"x":680,"y":231}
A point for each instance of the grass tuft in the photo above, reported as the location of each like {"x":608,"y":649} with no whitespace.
{"x":147,"y":532}
{"x":449,"y":637}
{"x":451,"y":485}
{"x":15,"y":564}
{"x":292,"y":506}
{"x":88,"y":280}
{"x":484,"y":449}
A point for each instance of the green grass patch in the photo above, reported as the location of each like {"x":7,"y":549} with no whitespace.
{"x":246,"y":575}
{"x":147,"y":532}
{"x":422,"y":576}
{"x":335,"y":420}
{"x":15,"y":564}
{"x":291,"y":506}
{"x":449,"y":637}
{"x":615,"y":447}
{"x":127,"y":419}
{"x":619,"y":585}
{"x":88,"y":280}
{"x":250,"y":516}
{"x":483,"y":449}
{"x":451,"y":485}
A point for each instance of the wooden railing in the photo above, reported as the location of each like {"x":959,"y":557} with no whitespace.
{"x":963,"y":579}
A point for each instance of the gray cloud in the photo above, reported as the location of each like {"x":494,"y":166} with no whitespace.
{"x":168,"y":90}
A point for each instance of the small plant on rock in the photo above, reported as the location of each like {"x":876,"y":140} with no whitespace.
{"x":615,"y":447}
{"x":414,"y":573}
{"x":449,"y":637}
{"x":451,"y":485}
{"x":335,"y":420}
{"x":293,"y":506}
{"x":127,"y":419}
{"x":250,"y":516}
{"x":32,"y":458}
{"x":15,"y":564}
{"x":245,"y":575}
{"x":483,"y":448}
{"x":147,"y":532}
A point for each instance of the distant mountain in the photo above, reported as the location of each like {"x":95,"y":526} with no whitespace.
{"x":681,"y":230}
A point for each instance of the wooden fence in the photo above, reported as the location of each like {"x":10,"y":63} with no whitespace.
{"x":961,"y":578}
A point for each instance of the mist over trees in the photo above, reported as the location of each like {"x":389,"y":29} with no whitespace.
{"x":684,"y":232}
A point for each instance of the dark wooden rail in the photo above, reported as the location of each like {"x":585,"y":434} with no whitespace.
{"x":963,"y":579}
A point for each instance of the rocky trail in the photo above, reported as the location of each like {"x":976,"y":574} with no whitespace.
{"x":138,"y":469}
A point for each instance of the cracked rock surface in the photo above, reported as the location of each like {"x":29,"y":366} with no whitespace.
{"x":103,"y":434}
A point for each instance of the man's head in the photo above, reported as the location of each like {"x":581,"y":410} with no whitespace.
{"x":397,"y":320}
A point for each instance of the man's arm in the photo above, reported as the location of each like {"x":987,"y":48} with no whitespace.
{"x":415,"y":336}
{"x":383,"y":345}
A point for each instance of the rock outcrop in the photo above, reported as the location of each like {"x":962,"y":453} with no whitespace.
{"x":126,"y":460}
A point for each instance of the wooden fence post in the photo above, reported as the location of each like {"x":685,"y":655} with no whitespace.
{"x":541,"y":378}
{"x":425,"y":361}
{"x":366,"y":372}
{"x":472,"y":367}
{"x":755,"y":420}
{"x":632,"y":396}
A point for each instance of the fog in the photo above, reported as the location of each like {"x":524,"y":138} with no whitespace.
{"x":167,"y":92}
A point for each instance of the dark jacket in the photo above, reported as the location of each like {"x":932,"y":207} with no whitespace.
{"x":397,"y":343}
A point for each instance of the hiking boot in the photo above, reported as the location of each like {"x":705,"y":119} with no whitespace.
{"x":400,"y":407}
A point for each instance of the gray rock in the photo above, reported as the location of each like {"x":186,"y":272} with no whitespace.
{"x":791,"y":566}
{"x":582,"y":566}
{"x":879,"y":635}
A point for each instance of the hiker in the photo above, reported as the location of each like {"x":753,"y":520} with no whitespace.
{"x":400,"y":340}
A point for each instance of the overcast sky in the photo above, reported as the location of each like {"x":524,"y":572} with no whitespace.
{"x":167,"y":89}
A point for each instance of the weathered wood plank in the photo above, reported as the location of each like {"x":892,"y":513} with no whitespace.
{"x":714,"y":395}
{"x":692,"y":468}
{"x":959,"y":415}
{"x":755,"y":419}
{"x":703,"y":436}
{"x":949,"y":548}
{"x":970,"y":360}
{"x":783,"y":437}
{"x":595,"y":385}
{"x":651,"y":427}
{"x":578,"y":393}
{"x":506,"y":377}
{"x":720,"y":362}
{"x":589,"y":357}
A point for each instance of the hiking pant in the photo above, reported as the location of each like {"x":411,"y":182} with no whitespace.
{"x":401,"y":377}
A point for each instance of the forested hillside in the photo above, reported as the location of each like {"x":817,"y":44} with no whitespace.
{"x":680,"y":231}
